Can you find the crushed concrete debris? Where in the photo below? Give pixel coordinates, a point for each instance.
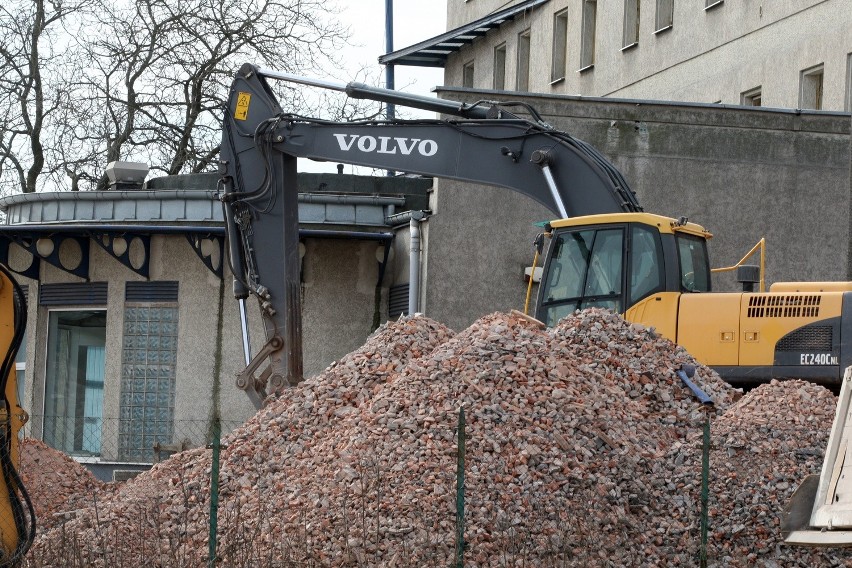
(582, 449)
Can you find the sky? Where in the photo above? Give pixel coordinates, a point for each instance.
(414, 21)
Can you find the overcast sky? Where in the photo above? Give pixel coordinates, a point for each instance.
(414, 21)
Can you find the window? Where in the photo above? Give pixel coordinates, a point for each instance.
(74, 381)
(848, 105)
(585, 271)
(523, 80)
(587, 48)
(630, 37)
(665, 15)
(751, 97)
(500, 67)
(560, 46)
(694, 263)
(646, 264)
(149, 358)
(810, 91)
(467, 75)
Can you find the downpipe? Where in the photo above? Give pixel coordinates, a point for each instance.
(414, 267)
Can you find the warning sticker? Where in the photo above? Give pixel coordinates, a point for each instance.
(243, 101)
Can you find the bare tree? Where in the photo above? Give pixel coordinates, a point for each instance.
(163, 70)
(29, 31)
(144, 80)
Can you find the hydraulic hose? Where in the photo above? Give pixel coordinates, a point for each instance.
(19, 500)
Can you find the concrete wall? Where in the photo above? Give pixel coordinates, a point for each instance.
(339, 298)
(709, 56)
(742, 173)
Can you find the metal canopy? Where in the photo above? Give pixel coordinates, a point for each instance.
(34, 238)
(434, 52)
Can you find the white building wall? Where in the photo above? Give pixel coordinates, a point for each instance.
(707, 56)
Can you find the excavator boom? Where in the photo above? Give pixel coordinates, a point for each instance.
(260, 146)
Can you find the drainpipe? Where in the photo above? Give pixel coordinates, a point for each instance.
(414, 267)
(413, 218)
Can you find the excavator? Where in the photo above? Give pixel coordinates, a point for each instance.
(17, 516)
(604, 250)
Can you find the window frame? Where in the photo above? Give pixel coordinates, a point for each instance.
(523, 61)
(559, 53)
(583, 301)
(588, 34)
(632, 258)
(501, 86)
(468, 70)
(748, 97)
(680, 238)
(663, 24)
(46, 391)
(847, 104)
(631, 8)
(805, 78)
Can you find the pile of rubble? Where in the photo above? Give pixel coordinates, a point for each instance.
(582, 448)
(55, 483)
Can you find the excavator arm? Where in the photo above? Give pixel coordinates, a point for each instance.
(486, 144)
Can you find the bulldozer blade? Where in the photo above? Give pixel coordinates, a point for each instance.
(796, 516)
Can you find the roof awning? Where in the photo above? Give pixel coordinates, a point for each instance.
(434, 52)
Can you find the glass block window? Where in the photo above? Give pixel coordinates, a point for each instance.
(149, 358)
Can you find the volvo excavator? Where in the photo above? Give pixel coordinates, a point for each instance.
(604, 251)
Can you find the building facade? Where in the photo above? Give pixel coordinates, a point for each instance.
(134, 338)
(775, 53)
(642, 81)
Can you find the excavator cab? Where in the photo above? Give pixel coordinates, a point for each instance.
(620, 261)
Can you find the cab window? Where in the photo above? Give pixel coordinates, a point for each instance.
(647, 268)
(586, 270)
(694, 263)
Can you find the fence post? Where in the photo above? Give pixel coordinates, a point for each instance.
(705, 486)
(685, 373)
(214, 494)
(460, 544)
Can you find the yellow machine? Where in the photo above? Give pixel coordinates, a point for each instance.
(17, 518)
(655, 270)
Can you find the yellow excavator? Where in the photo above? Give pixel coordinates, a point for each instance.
(604, 251)
(17, 517)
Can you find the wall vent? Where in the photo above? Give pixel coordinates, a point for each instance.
(397, 301)
(166, 291)
(73, 294)
(783, 306)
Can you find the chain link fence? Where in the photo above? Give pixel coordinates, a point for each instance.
(120, 441)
